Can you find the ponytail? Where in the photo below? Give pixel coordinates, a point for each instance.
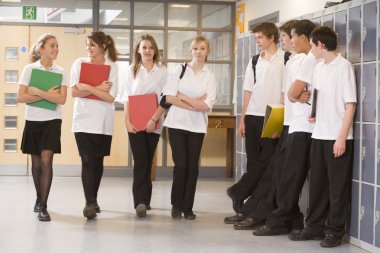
(110, 47)
(105, 41)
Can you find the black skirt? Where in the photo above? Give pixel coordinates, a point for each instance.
(41, 135)
(93, 144)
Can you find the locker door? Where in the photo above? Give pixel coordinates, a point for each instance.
(316, 21)
(239, 62)
(358, 74)
(354, 35)
(341, 30)
(368, 153)
(246, 57)
(357, 150)
(366, 213)
(354, 223)
(378, 157)
(328, 20)
(239, 83)
(252, 45)
(369, 101)
(377, 219)
(369, 32)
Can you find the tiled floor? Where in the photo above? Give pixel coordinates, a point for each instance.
(117, 229)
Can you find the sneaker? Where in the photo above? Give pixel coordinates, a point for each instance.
(330, 241)
(141, 210)
(306, 234)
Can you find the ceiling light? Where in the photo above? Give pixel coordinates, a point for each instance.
(11, 1)
(180, 5)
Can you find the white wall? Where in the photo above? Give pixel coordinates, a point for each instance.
(288, 8)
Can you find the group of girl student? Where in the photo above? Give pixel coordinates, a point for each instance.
(42, 132)
(93, 119)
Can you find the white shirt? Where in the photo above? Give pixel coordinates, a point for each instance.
(90, 115)
(33, 113)
(195, 86)
(267, 89)
(145, 83)
(336, 86)
(301, 111)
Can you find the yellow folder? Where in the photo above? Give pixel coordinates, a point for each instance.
(273, 121)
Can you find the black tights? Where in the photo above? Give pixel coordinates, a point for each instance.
(92, 172)
(42, 172)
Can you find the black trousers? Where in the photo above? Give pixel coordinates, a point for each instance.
(256, 163)
(186, 149)
(263, 200)
(330, 186)
(292, 178)
(143, 146)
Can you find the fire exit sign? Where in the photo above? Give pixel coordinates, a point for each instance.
(29, 12)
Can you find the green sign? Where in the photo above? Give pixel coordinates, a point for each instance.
(29, 12)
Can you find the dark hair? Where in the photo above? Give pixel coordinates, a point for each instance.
(288, 26)
(268, 29)
(105, 41)
(137, 57)
(326, 36)
(304, 27)
(40, 43)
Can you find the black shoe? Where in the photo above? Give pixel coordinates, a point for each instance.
(269, 231)
(97, 207)
(236, 203)
(189, 215)
(330, 241)
(248, 224)
(176, 212)
(141, 210)
(233, 219)
(89, 211)
(306, 234)
(148, 207)
(43, 215)
(37, 206)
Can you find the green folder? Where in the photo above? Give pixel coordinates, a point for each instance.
(44, 80)
(273, 121)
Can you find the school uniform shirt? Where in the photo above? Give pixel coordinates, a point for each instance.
(336, 86)
(301, 111)
(33, 113)
(268, 86)
(90, 115)
(195, 86)
(145, 82)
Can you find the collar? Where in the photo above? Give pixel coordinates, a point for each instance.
(39, 65)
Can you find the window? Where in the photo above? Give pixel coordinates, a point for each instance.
(10, 122)
(11, 76)
(114, 13)
(10, 145)
(11, 53)
(182, 15)
(179, 43)
(121, 38)
(149, 14)
(216, 16)
(10, 99)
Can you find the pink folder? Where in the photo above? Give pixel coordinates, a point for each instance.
(141, 110)
(94, 75)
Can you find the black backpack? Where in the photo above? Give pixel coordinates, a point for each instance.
(255, 58)
(163, 102)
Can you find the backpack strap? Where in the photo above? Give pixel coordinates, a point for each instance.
(184, 66)
(255, 58)
(287, 56)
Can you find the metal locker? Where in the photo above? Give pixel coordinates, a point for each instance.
(354, 34)
(239, 99)
(239, 141)
(378, 157)
(316, 21)
(368, 153)
(341, 30)
(357, 151)
(328, 20)
(238, 166)
(252, 45)
(368, 93)
(366, 213)
(239, 62)
(369, 32)
(354, 222)
(358, 74)
(246, 57)
(377, 218)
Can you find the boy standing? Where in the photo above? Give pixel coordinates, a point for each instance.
(332, 144)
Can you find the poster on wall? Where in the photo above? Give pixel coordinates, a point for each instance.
(239, 23)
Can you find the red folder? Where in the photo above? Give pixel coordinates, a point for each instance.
(141, 110)
(94, 75)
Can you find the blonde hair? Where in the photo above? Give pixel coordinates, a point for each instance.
(40, 43)
(198, 40)
(137, 57)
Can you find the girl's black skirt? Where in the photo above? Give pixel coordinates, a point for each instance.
(93, 144)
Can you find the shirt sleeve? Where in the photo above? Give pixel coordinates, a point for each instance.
(113, 78)
(349, 89)
(211, 91)
(74, 73)
(172, 82)
(305, 71)
(25, 76)
(64, 77)
(249, 79)
(123, 88)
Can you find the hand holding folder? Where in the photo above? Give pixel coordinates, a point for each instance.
(141, 110)
(94, 75)
(44, 80)
(273, 121)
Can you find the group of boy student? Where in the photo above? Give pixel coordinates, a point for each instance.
(322, 143)
(189, 94)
